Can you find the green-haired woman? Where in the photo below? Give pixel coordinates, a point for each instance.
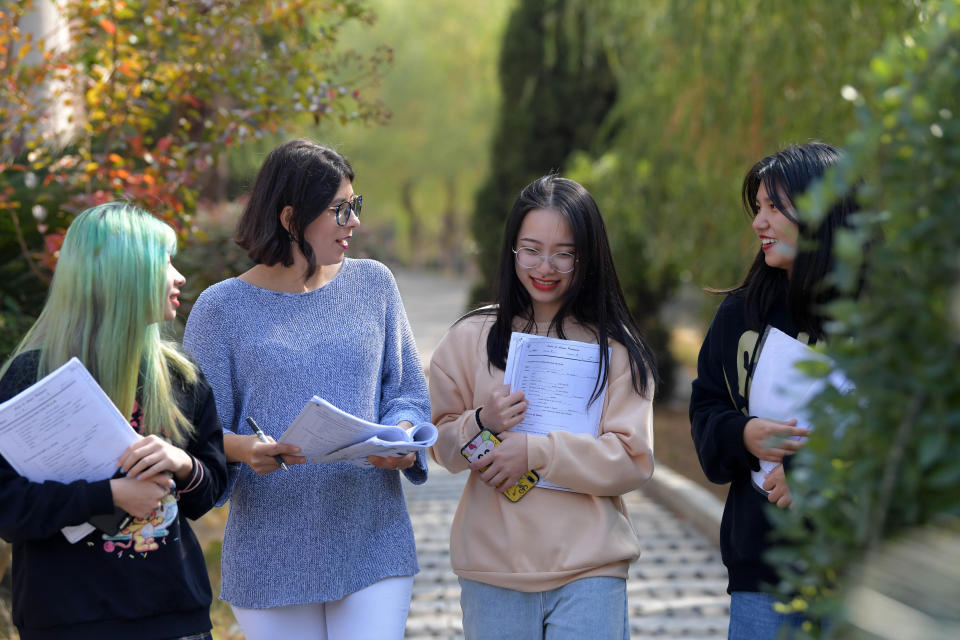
(113, 288)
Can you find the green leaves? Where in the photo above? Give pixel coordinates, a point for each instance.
(901, 427)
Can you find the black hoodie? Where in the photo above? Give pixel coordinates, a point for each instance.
(149, 581)
(718, 414)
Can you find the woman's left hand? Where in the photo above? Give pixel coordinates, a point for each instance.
(776, 484)
(151, 455)
(507, 462)
(393, 463)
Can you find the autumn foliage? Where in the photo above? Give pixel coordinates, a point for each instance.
(140, 99)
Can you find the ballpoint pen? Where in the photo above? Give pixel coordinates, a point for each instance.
(263, 438)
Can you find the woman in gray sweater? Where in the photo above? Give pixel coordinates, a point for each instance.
(324, 550)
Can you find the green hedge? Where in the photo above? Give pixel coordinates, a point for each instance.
(884, 458)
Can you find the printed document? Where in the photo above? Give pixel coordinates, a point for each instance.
(64, 428)
(557, 377)
(781, 391)
(324, 433)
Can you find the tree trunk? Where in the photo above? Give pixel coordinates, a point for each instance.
(452, 258)
(63, 121)
(415, 230)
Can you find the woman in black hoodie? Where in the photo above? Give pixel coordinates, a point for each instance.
(786, 289)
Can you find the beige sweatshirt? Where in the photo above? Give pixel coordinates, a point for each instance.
(549, 538)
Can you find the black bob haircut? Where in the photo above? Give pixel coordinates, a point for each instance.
(300, 174)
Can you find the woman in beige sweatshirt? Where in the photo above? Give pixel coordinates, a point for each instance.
(553, 564)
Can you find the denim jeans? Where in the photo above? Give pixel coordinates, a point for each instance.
(593, 608)
(752, 617)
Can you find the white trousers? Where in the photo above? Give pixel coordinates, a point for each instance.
(378, 612)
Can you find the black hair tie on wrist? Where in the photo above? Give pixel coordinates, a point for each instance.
(476, 415)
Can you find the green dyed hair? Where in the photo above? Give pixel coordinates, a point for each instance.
(105, 306)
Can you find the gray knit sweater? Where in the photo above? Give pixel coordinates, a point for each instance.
(321, 531)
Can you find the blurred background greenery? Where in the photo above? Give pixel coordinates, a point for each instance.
(447, 109)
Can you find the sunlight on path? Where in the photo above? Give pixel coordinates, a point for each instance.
(433, 302)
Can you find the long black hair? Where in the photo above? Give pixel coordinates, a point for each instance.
(594, 298)
(301, 174)
(787, 174)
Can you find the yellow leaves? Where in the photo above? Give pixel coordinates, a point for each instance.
(797, 605)
(90, 167)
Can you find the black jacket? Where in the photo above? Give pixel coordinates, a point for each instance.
(148, 581)
(718, 414)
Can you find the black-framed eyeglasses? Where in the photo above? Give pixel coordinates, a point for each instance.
(530, 258)
(343, 209)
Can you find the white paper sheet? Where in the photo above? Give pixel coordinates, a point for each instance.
(64, 428)
(557, 378)
(780, 391)
(324, 433)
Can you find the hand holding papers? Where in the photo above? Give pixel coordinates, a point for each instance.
(781, 391)
(324, 433)
(64, 428)
(557, 378)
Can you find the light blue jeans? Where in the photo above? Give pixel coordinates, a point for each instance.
(593, 608)
(752, 617)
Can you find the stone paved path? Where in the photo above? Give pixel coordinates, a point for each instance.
(677, 587)
(675, 590)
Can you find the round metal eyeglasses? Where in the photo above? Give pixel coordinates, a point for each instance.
(529, 258)
(344, 209)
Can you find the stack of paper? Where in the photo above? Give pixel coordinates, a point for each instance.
(779, 390)
(64, 428)
(558, 378)
(324, 433)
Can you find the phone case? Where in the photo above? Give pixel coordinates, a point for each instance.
(482, 444)
(111, 523)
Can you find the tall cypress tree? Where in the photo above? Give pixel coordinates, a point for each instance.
(557, 87)
(557, 90)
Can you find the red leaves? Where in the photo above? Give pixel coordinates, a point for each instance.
(51, 249)
(162, 87)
